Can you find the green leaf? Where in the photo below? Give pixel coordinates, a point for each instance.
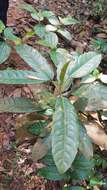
(95, 181)
(82, 168)
(5, 51)
(63, 79)
(96, 95)
(51, 173)
(8, 33)
(40, 30)
(64, 58)
(37, 16)
(85, 64)
(50, 40)
(50, 28)
(48, 159)
(35, 60)
(68, 20)
(27, 7)
(88, 79)
(60, 56)
(53, 56)
(2, 26)
(65, 134)
(81, 104)
(65, 34)
(19, 77)
(47, 14)
(63, 71)
(18, 105)
(38, 128)
(54, 20)
(85, 145)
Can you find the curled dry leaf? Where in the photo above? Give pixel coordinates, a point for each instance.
(39, 150)
(97, 134)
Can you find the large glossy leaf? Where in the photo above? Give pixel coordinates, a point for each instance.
(65, 134)
(5, 51)
(19, 77)
(18, 105)
(82, 168)
(85, 64)
(38, 63)
(96, 95)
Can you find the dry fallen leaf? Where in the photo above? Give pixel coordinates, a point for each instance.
(97, 134)
(39, 150)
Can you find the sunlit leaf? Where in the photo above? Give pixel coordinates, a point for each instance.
(103, 78)
(68, 20)
(50, 28)
(34, 59)
(85, 64)
(54, 20)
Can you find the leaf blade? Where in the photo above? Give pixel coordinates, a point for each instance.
(5, 51)
(85, 64)
(18, 105)
(64, 129)
(19, 77)
(35, 60)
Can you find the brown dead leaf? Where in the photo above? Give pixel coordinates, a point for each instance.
(39, 150)
(29, 119)
(97, 134)
(96, 188)
(102, 35)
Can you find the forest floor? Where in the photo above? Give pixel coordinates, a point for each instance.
(19, 174)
